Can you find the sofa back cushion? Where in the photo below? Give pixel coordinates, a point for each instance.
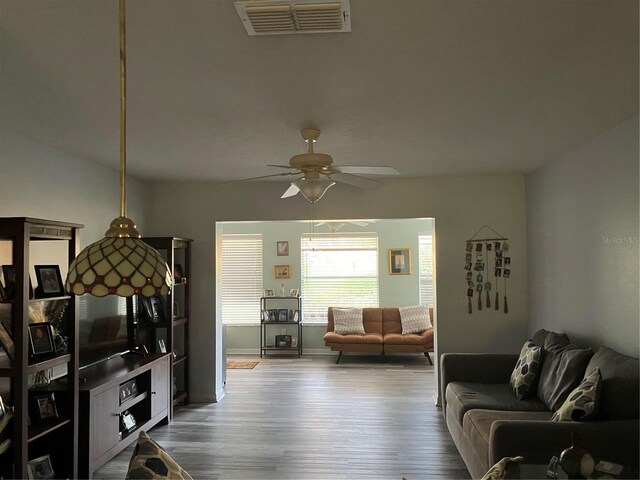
(371, 320)
(619, 399)
(541, 335)
(562, 371)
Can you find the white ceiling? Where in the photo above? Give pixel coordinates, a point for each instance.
(432, 87)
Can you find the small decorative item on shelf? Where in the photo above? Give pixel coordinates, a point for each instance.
(283, 315)
(40, 468)
(154, 312)
(42, 378)
(294, 342)
(269, 293)
(296, 316)
(283, 341)
(45, 406)
(41, 339)
(128, 390)
(294, 292)
(178, 274)
(282, 289)
(176, 308)
(9, 279)
(6, 342)
(128, 421)
(161, 346)
(49, 281)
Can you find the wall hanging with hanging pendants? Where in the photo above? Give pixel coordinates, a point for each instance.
(478, 253)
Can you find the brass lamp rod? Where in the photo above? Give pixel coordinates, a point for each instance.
(123, 111)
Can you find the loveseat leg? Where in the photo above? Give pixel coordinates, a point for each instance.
(339, 355)
(426, 354)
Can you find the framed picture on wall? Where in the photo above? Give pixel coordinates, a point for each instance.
(283, 271)
(399, 261)
(282, 248)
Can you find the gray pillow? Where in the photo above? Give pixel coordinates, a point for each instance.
(563, 369)
(619, 399)
(541, 335)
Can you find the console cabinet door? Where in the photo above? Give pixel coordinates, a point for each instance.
(160, 388)
(105, 422)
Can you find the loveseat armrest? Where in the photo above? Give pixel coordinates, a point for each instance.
(538, 440)
(476, 368)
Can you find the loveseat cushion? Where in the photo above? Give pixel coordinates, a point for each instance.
(562, 371)
(476, 426)
(424, 338)
(526, 373)
(464, 396)
(337, 338)
(619, 399)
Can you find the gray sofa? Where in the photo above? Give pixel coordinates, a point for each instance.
(487, 422)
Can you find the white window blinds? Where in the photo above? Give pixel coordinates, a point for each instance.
(241, 278)
(339, 270)
(425, 260)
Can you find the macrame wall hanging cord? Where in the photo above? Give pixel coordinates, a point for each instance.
(483, 248)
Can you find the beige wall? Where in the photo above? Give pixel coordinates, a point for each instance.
(459, 205)
(583, 241)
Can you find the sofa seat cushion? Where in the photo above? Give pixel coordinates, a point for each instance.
(423, 338)
(337, 338)
(476, 426)
(465, 396)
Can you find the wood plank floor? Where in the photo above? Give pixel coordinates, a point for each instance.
(308, 418)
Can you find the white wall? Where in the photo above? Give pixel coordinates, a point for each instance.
(582, 227)
(42, 182)
(460, 206)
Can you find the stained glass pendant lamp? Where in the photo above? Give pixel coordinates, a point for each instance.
(121, 263)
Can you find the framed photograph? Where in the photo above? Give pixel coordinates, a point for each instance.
(283, 315)
(41, 338)
(294, 342)
(399, 261)
(176, 308)
(265, 316)
(128, 421)
(46, 408)
(283, 341)
(40, 468)
(7, 342)
(128, 390)
(273, 315)
(282, 248)
(9, 279)
(294, 292)
(161, 346)
(296, 316)
(283, 271)
(269, 293)
(49, 281)
(153, 309)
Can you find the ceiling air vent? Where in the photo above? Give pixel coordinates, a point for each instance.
(272, 17)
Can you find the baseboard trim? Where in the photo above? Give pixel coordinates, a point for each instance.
(305, 351)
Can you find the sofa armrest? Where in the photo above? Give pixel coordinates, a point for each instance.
(539, 440)
(474, 367)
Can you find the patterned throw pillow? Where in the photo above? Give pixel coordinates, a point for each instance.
(414, 319)
(348, 320)
(582, 403)
(151, 461)
(525, 375)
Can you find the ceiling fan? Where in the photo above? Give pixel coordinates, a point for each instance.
(317, 172)
(335, 225)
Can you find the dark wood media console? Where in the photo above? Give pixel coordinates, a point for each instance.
(102, 434)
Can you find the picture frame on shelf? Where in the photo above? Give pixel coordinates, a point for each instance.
(50, 282)
(161, 346)
(269, 293)
(178, 273)
(45, 406)
(283, 315)
(40, 468)
(282, 248)
(9, 281)
(128, 421)
(399, 261)
(41, 339)
(176, 308)
(273, 315)
(128, 390)
(294, 292)
(282, 271)
(294, 342)
(265, 315)
(283, 341)
(296, 316)
(153, 309)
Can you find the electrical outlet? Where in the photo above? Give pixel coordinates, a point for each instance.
(284, 331)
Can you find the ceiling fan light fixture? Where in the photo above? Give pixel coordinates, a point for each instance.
(313, 190)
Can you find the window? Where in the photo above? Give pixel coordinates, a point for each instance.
(241, 278)
(425, 261)
(338, 270)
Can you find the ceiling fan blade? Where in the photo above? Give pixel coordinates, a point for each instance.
(287, 174)
(291, 191)
(355, 180)
(365, 170)
(281, 166)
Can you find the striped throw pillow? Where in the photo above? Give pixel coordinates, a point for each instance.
(348, 320)
(414, 319)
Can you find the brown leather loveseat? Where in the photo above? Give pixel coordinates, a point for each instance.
(383, 333)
